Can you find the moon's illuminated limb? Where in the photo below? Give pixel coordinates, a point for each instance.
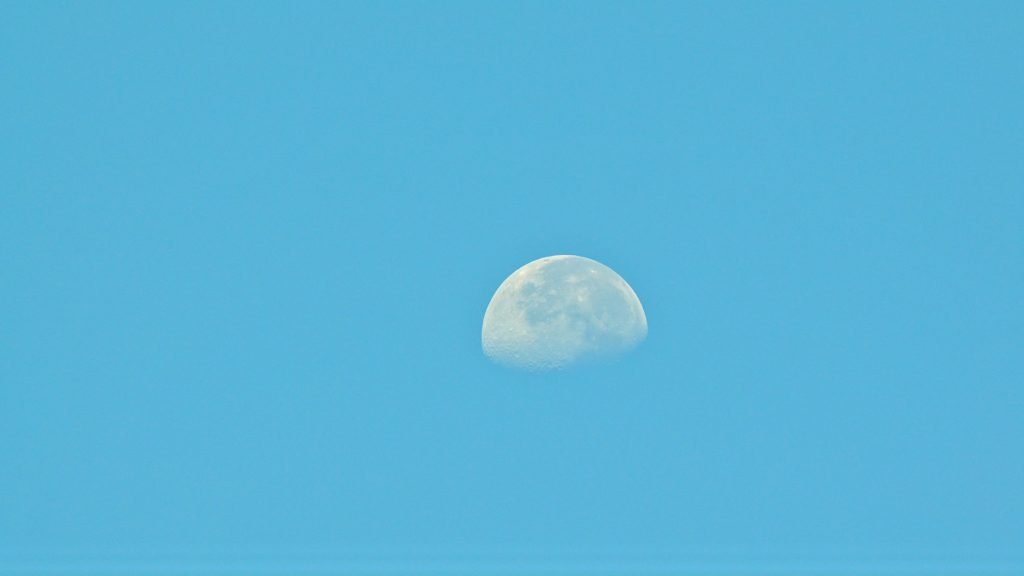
(558, 310)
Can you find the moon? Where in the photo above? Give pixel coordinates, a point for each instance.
(559, 311)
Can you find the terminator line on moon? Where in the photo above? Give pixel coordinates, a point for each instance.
(561, 310)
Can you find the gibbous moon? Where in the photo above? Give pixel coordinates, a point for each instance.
(560, 310)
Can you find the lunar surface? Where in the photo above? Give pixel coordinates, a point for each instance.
(559, 311)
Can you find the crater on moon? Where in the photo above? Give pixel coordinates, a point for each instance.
(557, 311)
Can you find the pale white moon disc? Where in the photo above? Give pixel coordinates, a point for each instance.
(557, 311)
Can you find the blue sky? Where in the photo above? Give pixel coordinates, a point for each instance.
(246, 248)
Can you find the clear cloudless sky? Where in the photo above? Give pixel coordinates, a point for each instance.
(246, 248)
